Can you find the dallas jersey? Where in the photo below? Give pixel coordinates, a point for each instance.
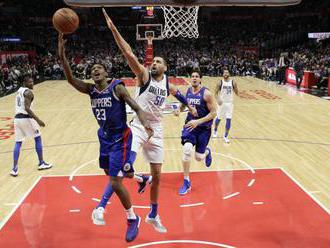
(24, 124)
(108, 109)
(197, 100)
(227, 91)
(227, 97)
(151, 98)
(20, 101)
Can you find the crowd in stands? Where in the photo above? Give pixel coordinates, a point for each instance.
(245, 42)
(312, 56)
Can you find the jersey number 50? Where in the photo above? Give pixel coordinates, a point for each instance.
(159, 100)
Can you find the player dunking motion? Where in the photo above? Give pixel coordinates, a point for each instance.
(224, 93)
(108, 98)
(27, 124)
(153, 88)
(197, 130)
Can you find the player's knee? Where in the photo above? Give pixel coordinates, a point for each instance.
(155, 173)
(156, 177)
(187, 149)
(199, 156)
(115, 183)
(129, 174)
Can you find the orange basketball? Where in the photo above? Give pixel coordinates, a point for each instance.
(65, 21)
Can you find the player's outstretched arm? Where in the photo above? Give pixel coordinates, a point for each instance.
(174, 91)
(177, 110)
(138, 69)
(211, 105)
(28, 97)
(122, 93)
(76, 83)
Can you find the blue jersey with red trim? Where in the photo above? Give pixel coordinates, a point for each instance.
(108, 109)
(197, 100)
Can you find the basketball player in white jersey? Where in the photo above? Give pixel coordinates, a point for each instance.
(152, 90)
(27, 124)
(224, 94)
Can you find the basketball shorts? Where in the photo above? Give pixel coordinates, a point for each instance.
(225, 111)
(26, 127)
(199, 137)
(115, 150)
(152, 149)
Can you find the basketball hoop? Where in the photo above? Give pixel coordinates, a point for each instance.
(180, 15)
(181, 21)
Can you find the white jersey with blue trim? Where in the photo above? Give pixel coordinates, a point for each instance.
(227, 91)
(20, 101)
(151, 98)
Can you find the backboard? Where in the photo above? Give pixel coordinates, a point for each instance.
(144, 30)
(120, 3)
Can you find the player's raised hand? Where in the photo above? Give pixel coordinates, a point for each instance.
(193, 111)
(61, 46)
(192, 125)
(41, 123)
(108, 19)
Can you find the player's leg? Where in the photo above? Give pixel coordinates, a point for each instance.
(139, 138)
(186, 160)
(154, 153)
(38, 146)
(98, 211)
(217, 122)
(188, 140)
(202, 151)
(105, 150)
(119, 154)
(153, 216)
(34, 131)
(133, 220)
(229, 114)
(104, 163)
(19, 136)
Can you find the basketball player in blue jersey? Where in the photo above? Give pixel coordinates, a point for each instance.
(197, 130)
(152, 90)
(27, 124)
(224, 93)
(108, 98)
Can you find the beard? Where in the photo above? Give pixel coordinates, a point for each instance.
(154, 73)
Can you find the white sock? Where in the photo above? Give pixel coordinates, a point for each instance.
(187, 178)
(138, 178)
(130, 213)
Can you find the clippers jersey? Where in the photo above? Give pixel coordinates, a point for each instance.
(20, 99)
(197, 100)
(227, 91)
(108, 109)
(151, 98)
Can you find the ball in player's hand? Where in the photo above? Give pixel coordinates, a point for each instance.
(65, 21)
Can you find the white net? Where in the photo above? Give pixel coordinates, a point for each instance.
(180, 21)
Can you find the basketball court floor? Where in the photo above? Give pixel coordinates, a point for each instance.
(268, 188)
